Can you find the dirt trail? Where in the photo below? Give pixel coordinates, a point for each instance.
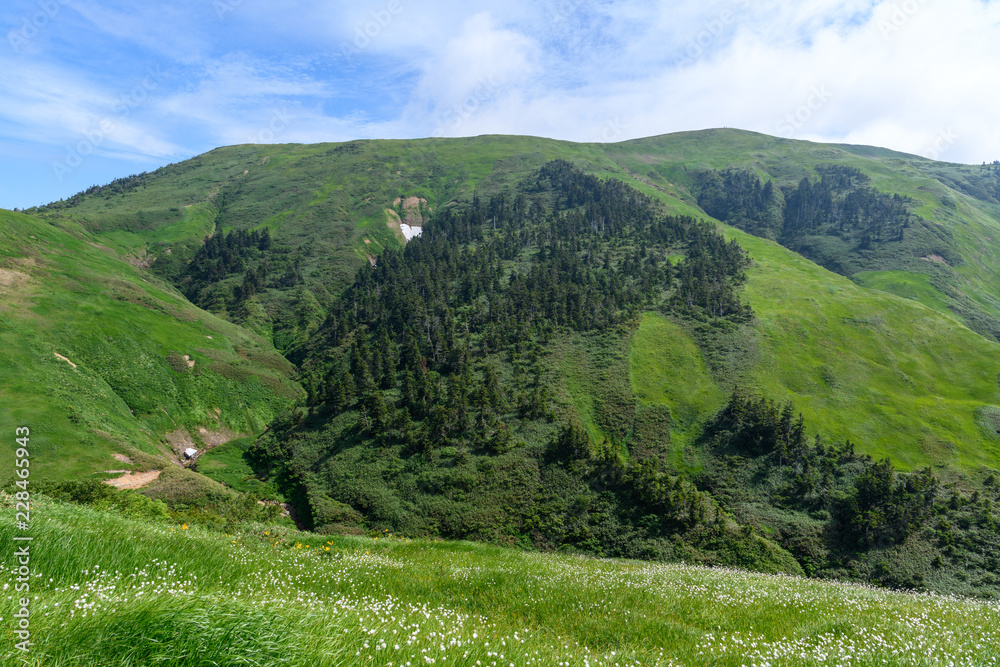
(12, 279)
(133, 480)
(64, 359)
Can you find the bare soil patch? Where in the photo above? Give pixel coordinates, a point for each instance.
(59, 356)
(133, 480)
(12, 279)
(411, 211)
(216, 437)
(392, 221)
(144, 261)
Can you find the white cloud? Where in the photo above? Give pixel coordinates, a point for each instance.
(475, 71)
(912, 75)
(60, 108)
(900, 75)
(175, 30)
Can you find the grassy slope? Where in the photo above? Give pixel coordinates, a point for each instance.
(908, 386)
(227, 464)
(895, 377)
(268, 595)
(666, 368)
(961, 222)
(65, 294)
(329, 198)
(907, 284)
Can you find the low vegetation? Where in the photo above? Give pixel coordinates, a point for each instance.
(146, 590)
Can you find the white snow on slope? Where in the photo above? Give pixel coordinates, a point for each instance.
(410, 232)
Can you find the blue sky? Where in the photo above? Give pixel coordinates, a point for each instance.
(91, 90)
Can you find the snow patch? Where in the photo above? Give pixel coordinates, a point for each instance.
(410, 232)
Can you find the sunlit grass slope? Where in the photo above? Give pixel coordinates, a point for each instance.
(964, 221)
(893, 376)
(98, 356)
(907, 284)
(329, 197)
(666, 368)
(109, 590)
(898, 378)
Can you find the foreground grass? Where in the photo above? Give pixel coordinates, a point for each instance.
(111, 591)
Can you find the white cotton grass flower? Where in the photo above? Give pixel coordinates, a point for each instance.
(420, 607)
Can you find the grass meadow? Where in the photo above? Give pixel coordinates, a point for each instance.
(110, 590)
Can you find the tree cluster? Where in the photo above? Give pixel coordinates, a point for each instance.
(249, 256)
(989, 178)
(877, 506)
(119, 186)
(512, 266)
(842, 203)
(572, 252)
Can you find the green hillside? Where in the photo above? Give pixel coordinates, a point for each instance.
(955, 209)
(573, 355)
(137, 591)
(896, 377)
(325, 206)
(100, 357)
(325, 203)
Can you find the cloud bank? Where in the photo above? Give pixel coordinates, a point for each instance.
(105, 87)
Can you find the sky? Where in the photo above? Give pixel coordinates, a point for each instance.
(93, 90)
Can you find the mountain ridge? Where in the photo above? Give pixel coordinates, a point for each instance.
(426, 412)
(363, 231)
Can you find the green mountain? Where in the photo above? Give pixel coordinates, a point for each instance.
(572, 354)
(914, 385)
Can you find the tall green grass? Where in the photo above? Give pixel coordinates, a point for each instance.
(907, 284)
(108, 590)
